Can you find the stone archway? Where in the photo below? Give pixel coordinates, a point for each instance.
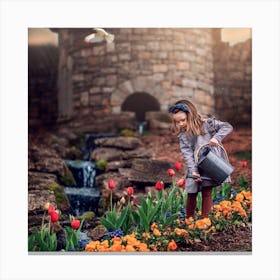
(140, 103)
(137, 85)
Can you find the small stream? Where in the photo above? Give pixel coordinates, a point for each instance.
(85, 195)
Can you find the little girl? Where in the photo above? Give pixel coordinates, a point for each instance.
(194, 131)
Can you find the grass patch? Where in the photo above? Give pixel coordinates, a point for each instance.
(246, 155)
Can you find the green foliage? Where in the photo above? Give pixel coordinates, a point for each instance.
(243, 183)
(101, 164)
(244, 155)
(60, 196)
(170, 205)
(226, 188)
(72, 235)
(42, 240)
(67, 179)
(146, 212)
(162, 209)
(224, 191)
(112, 220)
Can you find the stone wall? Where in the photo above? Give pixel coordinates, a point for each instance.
(233, 82)
(97, 86)
(165, 63)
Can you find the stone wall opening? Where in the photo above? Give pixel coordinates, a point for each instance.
(140, 103)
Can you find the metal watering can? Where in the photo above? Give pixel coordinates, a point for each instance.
(212, 165)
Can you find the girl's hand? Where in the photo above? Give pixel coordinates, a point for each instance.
(213, 142)
(197, 175)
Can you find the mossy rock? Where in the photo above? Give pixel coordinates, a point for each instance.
(87, 216)
(67, 179)
(60, 197)
(127, 132)
(101, 164)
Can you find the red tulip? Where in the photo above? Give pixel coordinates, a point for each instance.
(181, 183)
(170, 172)
(75, 224)
(111, 184)
(51, 209)
(129, 191)
(177, 165)
(54, 216)
(244, 163)
(159, 185)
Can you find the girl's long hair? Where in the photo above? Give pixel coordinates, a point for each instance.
(194, 120)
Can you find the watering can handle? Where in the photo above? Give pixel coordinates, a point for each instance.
(196, 153)
(201, 177)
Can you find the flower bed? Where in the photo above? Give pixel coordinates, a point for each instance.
(157, 224)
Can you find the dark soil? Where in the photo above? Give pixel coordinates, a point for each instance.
(238, 239)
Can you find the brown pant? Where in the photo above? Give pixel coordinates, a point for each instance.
(206, 202)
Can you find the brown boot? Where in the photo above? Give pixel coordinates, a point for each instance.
(191, 204)
(206, 202)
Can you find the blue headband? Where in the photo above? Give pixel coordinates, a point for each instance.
(179, 106)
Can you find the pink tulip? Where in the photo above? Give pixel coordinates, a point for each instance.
(159, 185)
(181, 183)
(111, 184)
(75, 224)
(129, 191)
(177, 165)
(170, 172)
(51, 209)
(54, 216)
(244, 163)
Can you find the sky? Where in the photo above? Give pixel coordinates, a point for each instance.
(37, 36)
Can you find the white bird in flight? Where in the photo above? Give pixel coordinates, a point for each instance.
(99, 36)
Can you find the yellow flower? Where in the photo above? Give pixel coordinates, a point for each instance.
(130, 248)
(146, 235)
(116, 240)
(143, 247)
(156, 232)
(211, 229)
(239, 197)
(217, 215)
(203, 223)
(92, 246)
(47, 206)
(192, 226)
(172, 246)
(181, 231)
(116, 248)
(188, 221)
(217, 207)
(153, 226)
(225, 204)
(247, 195)
(207, 221)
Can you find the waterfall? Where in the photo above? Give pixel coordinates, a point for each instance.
(85, 196)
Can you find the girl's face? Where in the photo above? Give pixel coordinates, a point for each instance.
(180, 119)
